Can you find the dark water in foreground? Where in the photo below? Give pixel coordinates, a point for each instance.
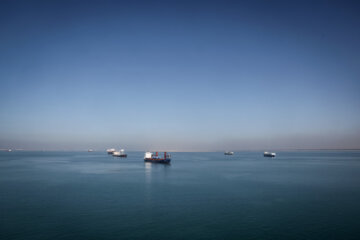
(76, 195)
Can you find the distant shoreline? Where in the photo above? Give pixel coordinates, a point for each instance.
(258, 150)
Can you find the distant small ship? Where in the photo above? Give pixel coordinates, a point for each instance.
(229, 153)
(110, 150)
(149, 157)
(269, 154)
(90, 150)
(6, 149)
(120, 153)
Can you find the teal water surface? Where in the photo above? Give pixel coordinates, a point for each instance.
(81, 195)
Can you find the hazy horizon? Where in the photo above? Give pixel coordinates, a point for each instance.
(180, 75)
(285, 143)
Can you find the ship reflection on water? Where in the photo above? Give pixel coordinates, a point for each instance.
(158, 170)
(148, 167)
(154, 174)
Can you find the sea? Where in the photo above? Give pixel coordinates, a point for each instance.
(200, 195)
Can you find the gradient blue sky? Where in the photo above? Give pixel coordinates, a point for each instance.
(179, 75)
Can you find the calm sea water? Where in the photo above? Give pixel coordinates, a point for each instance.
(81, 195)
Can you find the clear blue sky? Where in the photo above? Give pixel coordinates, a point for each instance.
(179, 75)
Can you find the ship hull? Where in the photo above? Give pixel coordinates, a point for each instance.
(158, 160)
(121, 155)
(269, 155)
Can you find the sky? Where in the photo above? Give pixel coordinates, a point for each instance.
(179, 75)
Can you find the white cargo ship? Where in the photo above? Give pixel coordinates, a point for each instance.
(229, 153)
(269, 154)
(120, 153)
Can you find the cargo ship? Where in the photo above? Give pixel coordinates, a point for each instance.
(121, 153)
(229, 153)
(150, 157)
(269, 154)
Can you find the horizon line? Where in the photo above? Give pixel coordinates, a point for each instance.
(242, 150)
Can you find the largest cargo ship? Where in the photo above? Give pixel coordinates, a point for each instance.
(150, 157)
